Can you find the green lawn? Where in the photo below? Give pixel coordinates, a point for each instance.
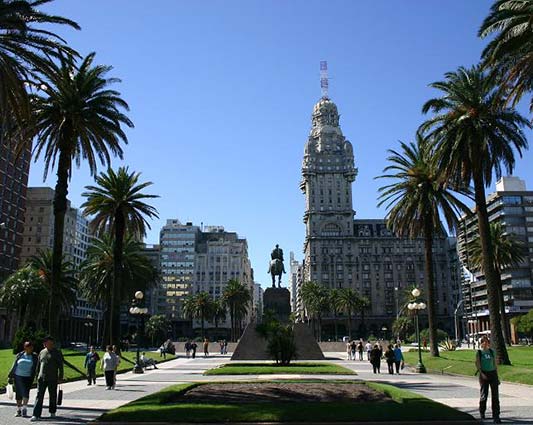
(165, 407)
(269, 368)
(76, 358)
(462, 362)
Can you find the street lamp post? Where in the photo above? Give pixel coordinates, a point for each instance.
(89, 326)
(415, 306)
(138, 311)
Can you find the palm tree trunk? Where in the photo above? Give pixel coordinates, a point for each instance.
(60, 209)
(490, 273)
(335, 325)
(118, 248)
(350, 325)
(428, 252)
(505, 319)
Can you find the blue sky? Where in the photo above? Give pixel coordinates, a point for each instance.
(221, 94)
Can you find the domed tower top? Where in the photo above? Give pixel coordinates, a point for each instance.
(325, 117)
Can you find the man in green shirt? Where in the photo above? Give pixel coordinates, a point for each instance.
(488, 377)
(50, 374)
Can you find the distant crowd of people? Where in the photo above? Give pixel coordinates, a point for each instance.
(374, 354)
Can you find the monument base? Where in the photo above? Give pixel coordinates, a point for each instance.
(278, 302)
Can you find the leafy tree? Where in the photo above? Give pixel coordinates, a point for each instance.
(402, 327)
(156, 327)
(316, 300)
(76, 118)
(237, 298)
(97, 275)
(24, 291)
(65, 289)
(475, 135)
(347, 301)
(26, 45)
(199, 306)
(510, 52)
(524, 323)
(415, 202)
(117, 207)
(508, 252)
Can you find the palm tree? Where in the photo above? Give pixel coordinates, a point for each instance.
(334, 306)
(237, 298)
(117, 207)
(25, 52)
(363, 304)
(510, 52)
(97, 276)
(76, 118)
(508, 252)
(348, 302)
(198, 306)
(474, 136)
(156, 326)
(316, 300)
(23, 291)
(219, 312)
(65, 289)
(415, 202)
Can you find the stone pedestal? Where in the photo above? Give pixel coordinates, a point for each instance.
(278, 301)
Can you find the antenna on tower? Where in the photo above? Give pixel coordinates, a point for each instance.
(324, 82)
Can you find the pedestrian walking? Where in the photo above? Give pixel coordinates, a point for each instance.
(50, 374)
(424, 343)
(375, 358)
(360, 350)
(488, 378)
(390, 358)
(206, 347)
(349, 350)
(368, 348)
(398, 358)
(225, 347)
(194, 346)
(22, 373)
(163, 351)
(109, 365)
(221, 344)
(116, 350)
(188, 348)
(353, 347)
(91, 360)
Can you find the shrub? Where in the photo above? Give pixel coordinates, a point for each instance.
(280, 340)
(441, 335)
(28, 334)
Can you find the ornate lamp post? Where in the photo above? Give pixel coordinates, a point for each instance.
(415, 306)
(89, 326)
(138, 311)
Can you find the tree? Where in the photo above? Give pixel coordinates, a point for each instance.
(199, 306)
(316, 300)
(348, 302)
(76, 118)
(25, 52)
(363, 303)
(117, 207)
(402, 327)
(156, 327)
(64, 289)
(97, 275)
(415, 201)
(237, 298)
(510, 52)
(475, 135)
(524, 323)
(219, 312)
(508, 252)
(24, 291)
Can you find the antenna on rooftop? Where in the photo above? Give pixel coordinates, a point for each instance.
(324, 82)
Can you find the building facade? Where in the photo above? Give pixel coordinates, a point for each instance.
(13, 185)
(295, 284)
(341, 252)
(257, 303)
(511, 206)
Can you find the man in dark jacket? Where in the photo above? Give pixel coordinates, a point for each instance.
(49, 376)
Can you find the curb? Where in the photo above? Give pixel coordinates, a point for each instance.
(437, 422)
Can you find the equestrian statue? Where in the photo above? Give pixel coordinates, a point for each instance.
(276, 267)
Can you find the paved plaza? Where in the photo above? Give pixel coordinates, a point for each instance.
(84, 403)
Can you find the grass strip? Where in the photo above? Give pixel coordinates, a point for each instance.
(269, 369)
(164, 406)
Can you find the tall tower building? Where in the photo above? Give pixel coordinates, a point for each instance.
(327, 175)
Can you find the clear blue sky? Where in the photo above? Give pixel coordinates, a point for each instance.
(221, 94)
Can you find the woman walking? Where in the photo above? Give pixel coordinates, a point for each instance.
(109, 365)
(23, 374)
(375, 358)
(398, 357)
(488, 377)
(389, 357)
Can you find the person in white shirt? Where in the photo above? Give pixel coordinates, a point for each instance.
(368, 348)
(109, 365)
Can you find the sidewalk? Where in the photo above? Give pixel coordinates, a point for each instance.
(82, 403)
(459, 392)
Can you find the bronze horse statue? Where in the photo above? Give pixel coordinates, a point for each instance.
(276, 269)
